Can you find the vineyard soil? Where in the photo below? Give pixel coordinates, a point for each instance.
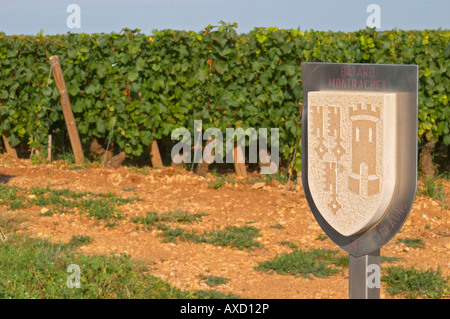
(281, 214)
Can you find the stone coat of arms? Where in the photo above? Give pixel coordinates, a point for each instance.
(352, 156)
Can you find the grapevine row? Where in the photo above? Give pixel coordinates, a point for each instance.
(146, 86)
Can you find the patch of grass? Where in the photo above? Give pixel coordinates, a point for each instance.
(67, 157)
(12, 196)
(36, 268)
(17, 204)
(414, 283)
(412, 242)
(77, 168)
(232, 236)
(178, 216)
(280, 176)
(214, 172)
(103, 208)
(100, 206)
(9, 193)
(218, 183)
(321, 263)
(322, 237)
(434, 189)
(213, 281)
(389, 259)
(171, 234)
(148, 221)
(79, 240)
(277, 226)
(290, 244)
(39, 158)
(141, 170)
(8, 225)
(71, 194)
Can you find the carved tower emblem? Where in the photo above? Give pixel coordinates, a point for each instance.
(352, 156)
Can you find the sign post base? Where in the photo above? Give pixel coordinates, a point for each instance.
(364, 276)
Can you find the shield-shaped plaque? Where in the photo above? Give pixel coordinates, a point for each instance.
(359, 150)
(351, 159)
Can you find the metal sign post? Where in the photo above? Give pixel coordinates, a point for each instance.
(359, 166)
(364, 284)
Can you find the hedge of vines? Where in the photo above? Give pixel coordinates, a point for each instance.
(137, 88)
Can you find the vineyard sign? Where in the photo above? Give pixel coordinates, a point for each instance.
(359, 154)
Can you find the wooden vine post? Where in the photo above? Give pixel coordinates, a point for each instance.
(203, 166)
(11, 151)
(155, 156)
(67, 110)
(239, 161)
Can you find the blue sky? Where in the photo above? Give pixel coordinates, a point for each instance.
(30, 16)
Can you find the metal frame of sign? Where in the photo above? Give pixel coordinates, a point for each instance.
(401, 79)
